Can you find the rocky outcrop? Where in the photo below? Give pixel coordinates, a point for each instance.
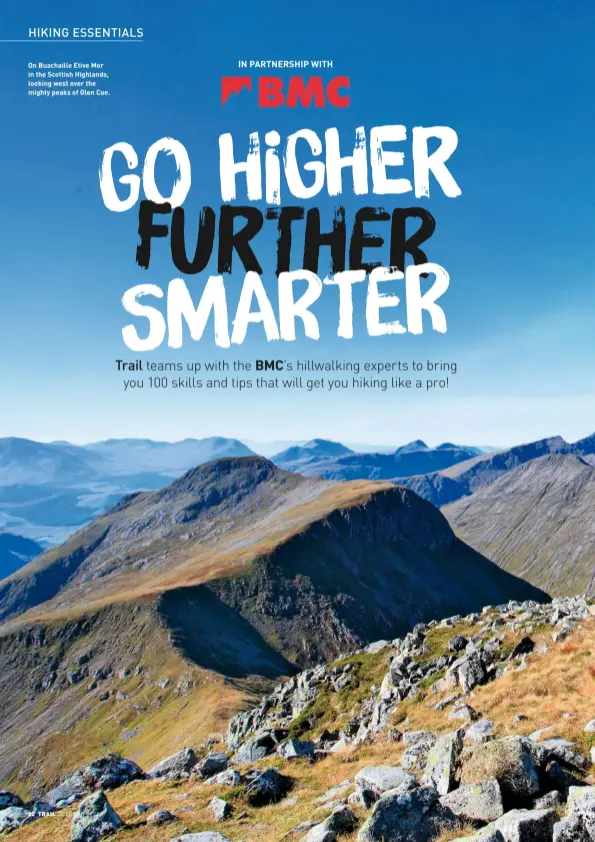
(104, 773)
(408, 669)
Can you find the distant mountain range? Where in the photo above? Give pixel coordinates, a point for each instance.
(47, 490)
(536, 521)
(334, 461)
(466, 477)
(16, 551)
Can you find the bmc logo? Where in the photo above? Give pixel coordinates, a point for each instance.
(274, 91)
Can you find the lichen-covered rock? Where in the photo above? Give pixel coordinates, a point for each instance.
(527, 825)
(442, 762)
(415, 816)
(571, 830)
(12, 818)
(255, 749)
(578, 824)
(94, 819)
(104, 773)
(267, 788)
(292, 749)
(220, 809)
(381, 779)
(480, 732)
(160, 817)
(212, 764)
(511, 761)
(480, 802)
(177, 766)
(230, 777)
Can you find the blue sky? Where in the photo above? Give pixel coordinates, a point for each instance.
(514, 79)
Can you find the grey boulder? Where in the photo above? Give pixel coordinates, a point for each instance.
(12, 818)
(442, 762)
(381, 779)
(230, 777)
(527, 825)
(174, 767)
(94, 819)
(258, 747)
(341, 820)
(415, 816)
(480, 802)
(211, 765)
(267, 788)
(160, 817)
(511, 761)
(203, 836)
(480, 732)
(292, 749)
(220, 809)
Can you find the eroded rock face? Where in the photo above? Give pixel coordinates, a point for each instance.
(177, 766)
(94, 819)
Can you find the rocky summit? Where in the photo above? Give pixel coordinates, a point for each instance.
(473, 727)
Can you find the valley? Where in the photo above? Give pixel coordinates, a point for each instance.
(298, 628)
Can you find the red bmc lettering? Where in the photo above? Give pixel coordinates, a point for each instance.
(271, 93)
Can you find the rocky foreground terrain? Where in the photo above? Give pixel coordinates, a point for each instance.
(474, 727)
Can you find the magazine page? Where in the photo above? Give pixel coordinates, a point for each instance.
(297, 462)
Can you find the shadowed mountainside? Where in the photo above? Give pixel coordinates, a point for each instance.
(536, 522)
(312, 566)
